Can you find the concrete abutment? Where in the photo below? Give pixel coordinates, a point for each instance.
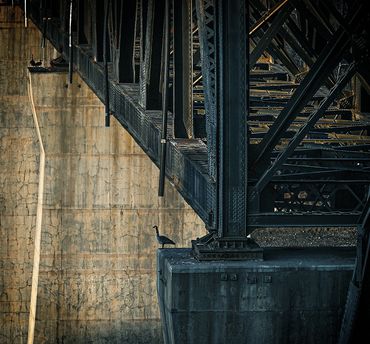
(293, 296)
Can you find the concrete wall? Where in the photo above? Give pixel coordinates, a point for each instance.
(98, 274)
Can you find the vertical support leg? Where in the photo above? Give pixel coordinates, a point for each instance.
(70, 69)
(98, 25)
(230, 241)
(207, 39)
(144, 9)
(183, 63)
(81, 37)
(150, 89)
(232, 91)
(162, 169)
(126, 67)
(105, 59)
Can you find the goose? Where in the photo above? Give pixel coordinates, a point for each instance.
(33, 63)
(163, 240)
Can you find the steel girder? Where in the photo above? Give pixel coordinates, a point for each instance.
(183, 68)
(296, 150)
(230, 240)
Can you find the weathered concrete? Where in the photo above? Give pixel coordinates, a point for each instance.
(98, 271)
(294, 296)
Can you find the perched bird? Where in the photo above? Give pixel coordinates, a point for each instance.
(33, 63)
(163, 240)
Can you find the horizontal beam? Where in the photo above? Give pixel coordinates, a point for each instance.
(302, 219)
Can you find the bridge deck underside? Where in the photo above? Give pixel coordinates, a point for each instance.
(319, 184)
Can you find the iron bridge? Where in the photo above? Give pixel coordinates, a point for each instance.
(257, 111)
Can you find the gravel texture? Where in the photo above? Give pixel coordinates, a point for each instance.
(305, 237)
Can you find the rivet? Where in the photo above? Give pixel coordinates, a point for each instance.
(267, 279)
(223, 277)
(234, 277)
(251, 279)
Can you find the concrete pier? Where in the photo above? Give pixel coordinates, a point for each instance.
(294, 296)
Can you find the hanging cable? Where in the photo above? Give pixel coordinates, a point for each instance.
(105, 60)
(162, 167)
(70, 70)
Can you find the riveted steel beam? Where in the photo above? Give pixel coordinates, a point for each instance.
(150, 76)
(183, 68)
(81, 36)
(125, 64)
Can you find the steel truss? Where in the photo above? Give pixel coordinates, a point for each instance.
(267, 102)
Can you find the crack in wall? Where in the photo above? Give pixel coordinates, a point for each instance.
(97, 271)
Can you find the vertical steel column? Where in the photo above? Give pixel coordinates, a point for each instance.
(70, 46)
(207, 39)
(150, 78)
(230, 240)
(44, 16)
(143, 23)
(81, 37)
(105, 59)
(144, 8)
(165, 68)
(233, 104)
(126, 67)
(183, 69)
(98, 29)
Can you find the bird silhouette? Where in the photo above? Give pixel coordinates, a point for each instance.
(33, 63)
(163, 240)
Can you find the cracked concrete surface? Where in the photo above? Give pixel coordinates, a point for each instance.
(97, 275)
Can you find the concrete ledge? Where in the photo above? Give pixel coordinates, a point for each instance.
(294, 296)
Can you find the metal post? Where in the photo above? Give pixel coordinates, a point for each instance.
(81, 37)
(162, 170)
(150, 78)
(44, 16)
(98, 25)
(125, 63)
(106, 76)
(231, 241)
(207, 39)
(232, 142)
(183, 69)
(70, 69)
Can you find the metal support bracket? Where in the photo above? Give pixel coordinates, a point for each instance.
(212, 247)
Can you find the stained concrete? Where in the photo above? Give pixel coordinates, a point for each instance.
(98, 267)
(293, 296)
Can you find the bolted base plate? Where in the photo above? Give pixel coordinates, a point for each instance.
(211, 247)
